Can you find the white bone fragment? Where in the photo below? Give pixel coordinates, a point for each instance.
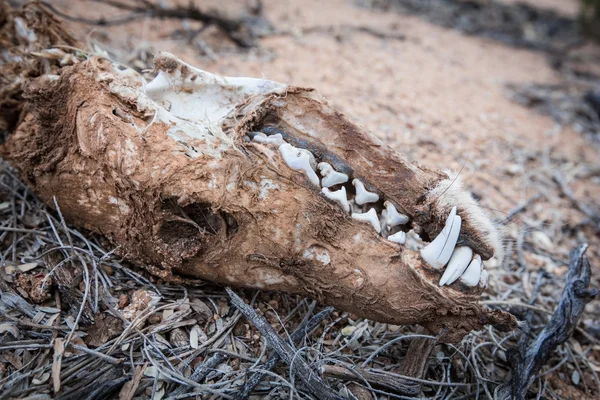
(370, 217)
(299, 159)
(275, 139)
(363, 196)
(160, 83)
(398, 237)
(330, 176)
(438, 252)
(394, 218)
(457, 265)
(338, 196)
(473, 273)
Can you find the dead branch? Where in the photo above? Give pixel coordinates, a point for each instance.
(527, 362)
(382, 379)
(288, 354)
(304, 328)
(240, 30)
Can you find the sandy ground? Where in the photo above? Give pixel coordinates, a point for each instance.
(438, 96)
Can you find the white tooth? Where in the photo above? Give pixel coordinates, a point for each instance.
(473, 272)
(393, 216)
(398, 237)
(370, 217)
(275, 139)
(457, 265)
(438, 252)
(363, 196)
(331, 176)
(483, 281)
(383, 223)
(299, 159)
(338, 196)
(354, 208)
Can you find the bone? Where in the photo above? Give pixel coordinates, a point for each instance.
(275, 139)
(338, 196)
(394, 218)
(330, 176)
(473, 272)
(438, 252)
(299, 159)
(457, 265)
(363, 196)
(398, 237)
(370, 217)
(160, 83)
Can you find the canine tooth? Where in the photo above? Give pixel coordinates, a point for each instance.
(457, 265)
(473, 272)
(438, 252)
(363, 196)
(370, 217)
(299, 159)
(339, 196)
(398, 237)
(331, 176)
(393, 216)
(275, 139)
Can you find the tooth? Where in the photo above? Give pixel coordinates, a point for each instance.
(330, 176)
(354, 208)
(370, 216)
(471, 276)
(275, 139)
(338, 196)
(362, 195)
(457, 265)
(398, 237)
(393, 216)
(483, 281)
(438, 252)
(299, 159)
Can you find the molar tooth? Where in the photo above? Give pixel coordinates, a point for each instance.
(299, 159)
(338, 196)
(457, 265)
(398, 237)
(438, 252)
(393, 216)
(354, 208)
(472, 274)
(363, 196)
(330, 176)
(275, 139)
(370, 217)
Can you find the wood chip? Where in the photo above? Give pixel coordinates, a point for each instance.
(128, 390)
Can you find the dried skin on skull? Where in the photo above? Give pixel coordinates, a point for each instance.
(248, 182)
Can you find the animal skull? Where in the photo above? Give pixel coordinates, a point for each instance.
(258, 184)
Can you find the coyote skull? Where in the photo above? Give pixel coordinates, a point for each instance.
(258, 184)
